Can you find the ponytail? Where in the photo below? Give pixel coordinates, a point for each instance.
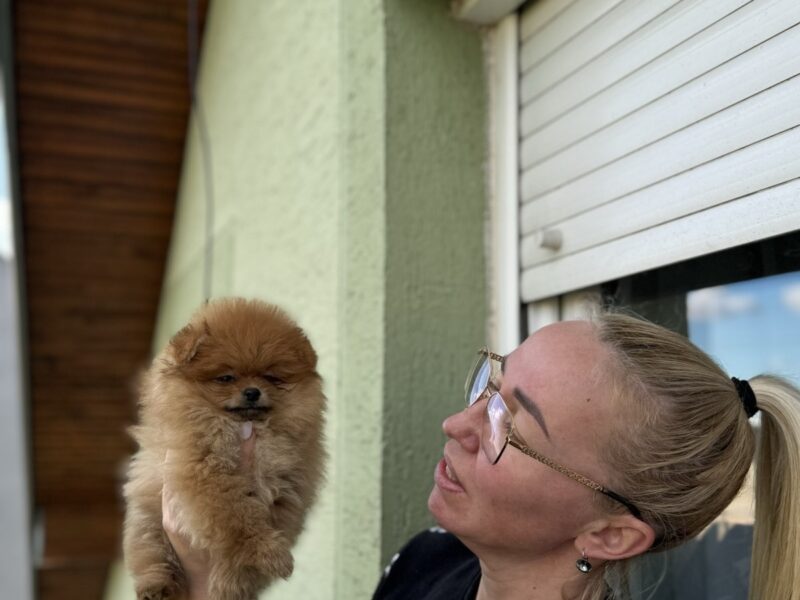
(775, 568)
(684, 445)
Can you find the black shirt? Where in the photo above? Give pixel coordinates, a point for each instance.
(434, 565)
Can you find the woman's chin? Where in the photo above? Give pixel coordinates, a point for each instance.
(439, 509)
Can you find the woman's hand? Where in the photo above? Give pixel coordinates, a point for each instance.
(196, 562)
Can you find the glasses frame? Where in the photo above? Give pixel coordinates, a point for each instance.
(514, 439)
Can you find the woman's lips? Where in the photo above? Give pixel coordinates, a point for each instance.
(445, 478)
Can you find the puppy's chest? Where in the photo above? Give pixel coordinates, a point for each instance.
(271, 470)
(265, 465)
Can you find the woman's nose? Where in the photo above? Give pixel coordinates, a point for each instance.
(464, 427)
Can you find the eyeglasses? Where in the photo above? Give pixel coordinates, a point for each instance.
(498, 425)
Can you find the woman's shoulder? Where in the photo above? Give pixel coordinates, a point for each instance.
(433, 565)
(434, 543)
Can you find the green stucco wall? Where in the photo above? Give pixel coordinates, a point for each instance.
(435, 290)
(348, 147)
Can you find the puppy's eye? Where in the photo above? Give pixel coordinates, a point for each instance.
(274, 380)
(225, 379)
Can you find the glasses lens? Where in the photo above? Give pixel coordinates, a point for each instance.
(478, 378)
(497, 426)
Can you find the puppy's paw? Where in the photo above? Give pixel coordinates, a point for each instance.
(158, 584)
(166, 592)
(279, 564)
(272, 558)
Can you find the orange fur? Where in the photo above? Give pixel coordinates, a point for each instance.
(247, 516)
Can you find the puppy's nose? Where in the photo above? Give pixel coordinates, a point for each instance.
(251, 394)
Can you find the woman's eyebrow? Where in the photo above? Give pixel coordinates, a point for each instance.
(529, 405)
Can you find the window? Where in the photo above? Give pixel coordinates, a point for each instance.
(742, 306)
(659, 170)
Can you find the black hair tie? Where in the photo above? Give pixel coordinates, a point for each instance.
(746, 395)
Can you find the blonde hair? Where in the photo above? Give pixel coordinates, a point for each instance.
(775, 570)
(683, 445)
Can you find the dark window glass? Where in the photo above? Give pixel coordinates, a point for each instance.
(742, 306)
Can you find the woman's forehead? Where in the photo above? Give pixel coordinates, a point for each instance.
(561, 345)
(559, 369)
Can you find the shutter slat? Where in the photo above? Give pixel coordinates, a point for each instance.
(614, 26)
(649, 138)
(654, 39)
(562, 28)
(768, 213)
(775, 110)
(743, 30)
(539, 15)
(771, 162)
(766, 65)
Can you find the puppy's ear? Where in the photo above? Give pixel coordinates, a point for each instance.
(306, 354)
(185, 344)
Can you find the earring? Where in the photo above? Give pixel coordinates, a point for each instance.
(583, 564)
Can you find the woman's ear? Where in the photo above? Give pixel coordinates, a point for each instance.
(615, 538)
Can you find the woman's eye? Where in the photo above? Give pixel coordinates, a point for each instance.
(274, 380)
(225, 379)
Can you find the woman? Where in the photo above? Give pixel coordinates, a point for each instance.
(589, 445)
(598, 442)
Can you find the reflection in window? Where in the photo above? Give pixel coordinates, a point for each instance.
(750, 327)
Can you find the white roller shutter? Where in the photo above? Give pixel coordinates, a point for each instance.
(653, 131)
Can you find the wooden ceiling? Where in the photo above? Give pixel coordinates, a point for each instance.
(102, 103)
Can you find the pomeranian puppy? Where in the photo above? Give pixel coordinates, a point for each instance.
(239, 365)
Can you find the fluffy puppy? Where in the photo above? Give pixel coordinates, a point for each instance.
(238, 363)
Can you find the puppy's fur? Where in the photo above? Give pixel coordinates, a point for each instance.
(237, 361)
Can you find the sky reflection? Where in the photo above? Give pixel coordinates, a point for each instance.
(750, 327)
